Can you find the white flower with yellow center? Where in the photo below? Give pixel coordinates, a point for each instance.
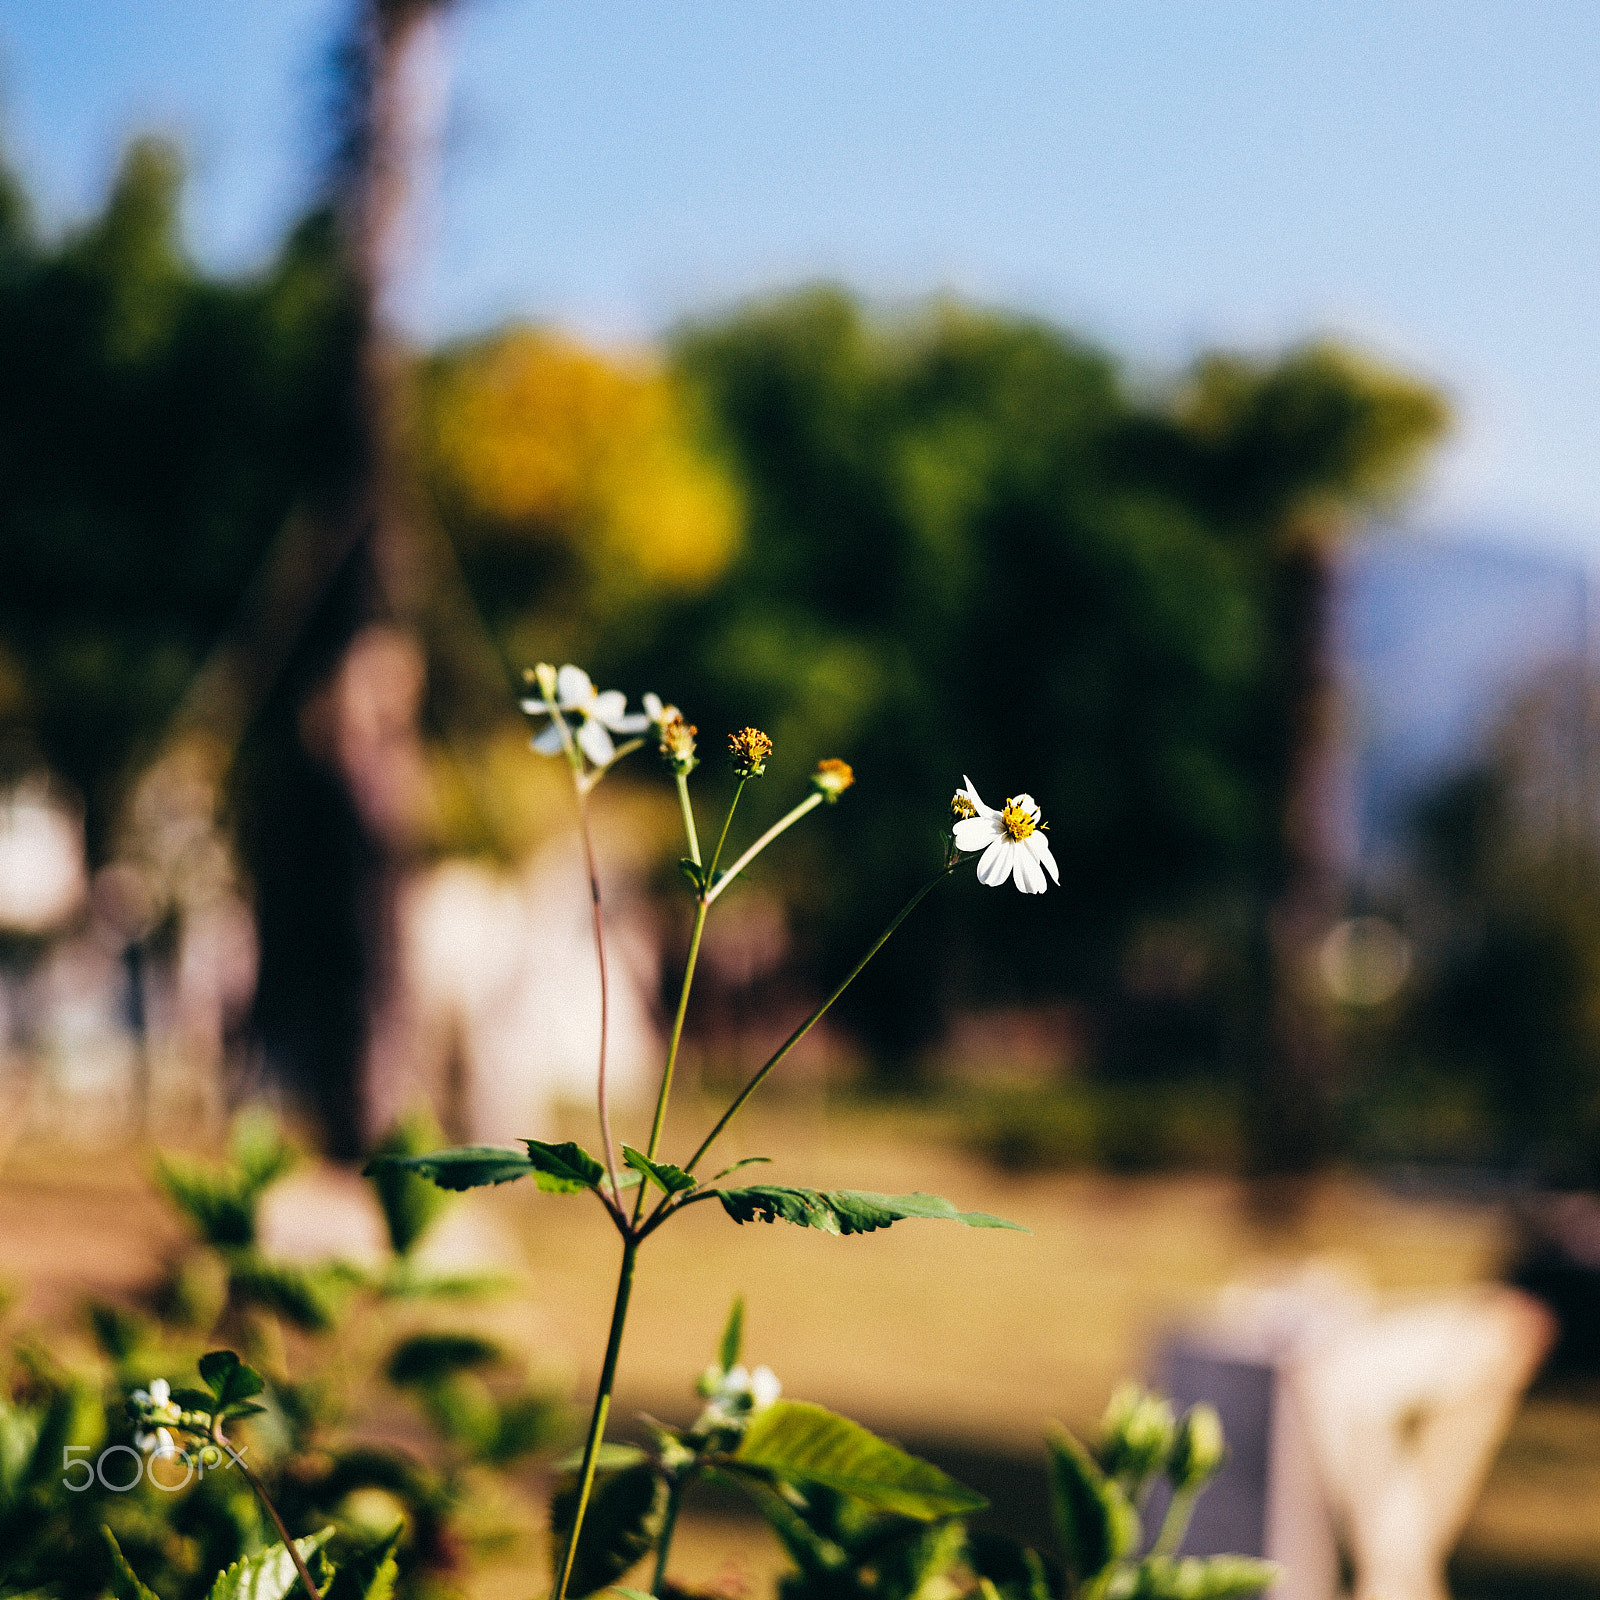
(592, 715)
(1012, 840)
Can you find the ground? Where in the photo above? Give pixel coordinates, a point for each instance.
(959, 1343)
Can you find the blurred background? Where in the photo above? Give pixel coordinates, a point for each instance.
(1187, 416)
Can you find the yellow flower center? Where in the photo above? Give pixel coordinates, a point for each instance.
(1017, 822)
(961, 806)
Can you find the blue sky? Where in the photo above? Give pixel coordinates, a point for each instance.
(1420, 178)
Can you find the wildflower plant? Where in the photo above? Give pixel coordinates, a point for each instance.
(641, 1189)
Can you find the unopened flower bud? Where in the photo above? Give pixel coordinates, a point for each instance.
(750, 748)
(832, 778)
(1198, 1449)
(1137, 1434)
(961, 806)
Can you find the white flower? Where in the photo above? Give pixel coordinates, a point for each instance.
(738, 1394)
(579, 701)
(161, 1442)
(1012, 840)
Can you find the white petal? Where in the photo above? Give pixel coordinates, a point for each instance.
(634, 722)
(765, 1387)
(994, 865)
(609, 706)
(1040, 847)
(161, 1391)
(548, 741)
(536, 708)
(1029, 874)
(573, 687)
(975, 833)
(972, 795)
(652, 705)
(1027, 803)
(595, 742)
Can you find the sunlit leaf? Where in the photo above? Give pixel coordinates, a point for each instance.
(805, 1443)
(671, 1179)
(1096, 1522)
(269, 1575)
(845, 1211)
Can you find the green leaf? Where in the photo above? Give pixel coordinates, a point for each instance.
(621, 1526)
(732, 1336)
(124, 1580)
(259, 1152)
(797, 1441)
(212, 1202)
(844, 1211)
(228, 1378)
(428, 1357)
(748, 1161)
(608, 1458)
(411, 1204)
(368, 1576)
(1202, 1578)
(812, 1551)
(194, 1399)
(243, 1408)
(269, 1575)
(310, 1297)
(1094, 1518)
(671, 1179)
(467, 1166)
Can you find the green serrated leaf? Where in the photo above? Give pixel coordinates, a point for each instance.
(665, 1176)
(467, 1166)
(429, 1357)
(806, 1443)
(747, 1161)
(569, 1165)
(732, 1336)
(228, 1378)
(1202, 1578)
(194, 1399)
(621, 1526)
(411, 1203)
(124, 1580)
(368, 1576)
(1096, 1521)
(269, 1575)
(846, 1211)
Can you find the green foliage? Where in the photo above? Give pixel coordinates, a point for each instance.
(368, 1576)
(124, 1580)
(427, 1357)
(845, 1211)
(1201, 1578)
(229, 1379)
(666, 1177)
(623, 1522)
(800, 1443)
(411, 1204)
(556, 1168)
(732, 1341)
(1095, 1520)
(269, 1575)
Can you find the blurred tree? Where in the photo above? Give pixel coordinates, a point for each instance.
(972, 547)
(155, 430)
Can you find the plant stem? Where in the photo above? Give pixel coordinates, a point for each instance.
(722, 838)
(688, 818)
(810, 803)
(817, 1015)
(602, 1409)
(277, 1521)
(669, 1524)
(1175, 1524)
(700, 911)
(605, 992)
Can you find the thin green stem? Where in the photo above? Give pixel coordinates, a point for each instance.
(688, 818)
(810, 803)
(702, 907)
(815, 1017)
(602, 1409)
(1175, 1524)
(727, 822)
(669, 1524)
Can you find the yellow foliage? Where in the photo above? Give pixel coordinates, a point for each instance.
(529, 435)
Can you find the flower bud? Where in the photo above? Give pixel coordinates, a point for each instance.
(1137, 1434)
(1198, 1449)
(832, 778)
(961, 806)
(750, 748)
(677, 741)
(545, 675)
